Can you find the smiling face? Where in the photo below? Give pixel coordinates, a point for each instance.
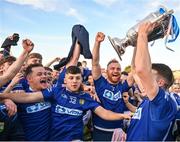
(114, 72)
(176, 88)
(73, 82)
(37, 78)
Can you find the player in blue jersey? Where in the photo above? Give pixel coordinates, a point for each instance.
(35, 117)
(109, 92)
(153, 117)
(68, 105)
(10, 129)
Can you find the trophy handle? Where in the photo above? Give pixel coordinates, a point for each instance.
(119, 50)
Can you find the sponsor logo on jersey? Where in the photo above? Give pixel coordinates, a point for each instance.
(137, 114)
(111, 96)
(38, 107)
(69, 111)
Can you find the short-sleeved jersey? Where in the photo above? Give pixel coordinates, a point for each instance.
(111, 99)
(152, 119)
(67, 113)
(36, 119)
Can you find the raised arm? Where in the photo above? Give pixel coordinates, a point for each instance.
(57, 59)
(14, 81)
(109, 115)
(75, 57)
(133, 71)
(143, 67)
(22, 97)
(16, 66)
(96, 68)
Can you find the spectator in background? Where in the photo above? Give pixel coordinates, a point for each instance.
(85, 72)
(84, 64)
(124, 76)
(176, 88)
(175, 93)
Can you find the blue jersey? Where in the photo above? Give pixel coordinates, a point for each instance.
(24, 83)
(152, 119)
(3, 112)
(35, 118)
(177, 101)
(60, 80)
(111, 99)
(67, 113)
(176, 123)
(85, 75)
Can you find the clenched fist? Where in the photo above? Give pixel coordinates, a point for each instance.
(100, 37)
(28, 45)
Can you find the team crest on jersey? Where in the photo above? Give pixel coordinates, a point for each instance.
(81, 101)
(111, 96)
(64, 96)
(137, 114)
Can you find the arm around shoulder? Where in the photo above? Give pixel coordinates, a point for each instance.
(23, 97)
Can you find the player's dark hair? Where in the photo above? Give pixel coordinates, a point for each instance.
(164, 71)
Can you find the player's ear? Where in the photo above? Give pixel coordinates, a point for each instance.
(161, 82)
(29, 78)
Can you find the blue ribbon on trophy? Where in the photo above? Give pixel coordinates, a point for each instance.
(166, 27)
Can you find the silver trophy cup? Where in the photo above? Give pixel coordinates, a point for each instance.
(161, 17)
